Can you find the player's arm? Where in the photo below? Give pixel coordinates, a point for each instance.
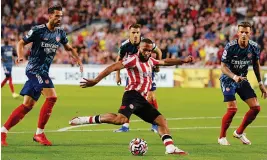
(158, 57)
(225, 70)
(173, 62)
(256, 68)
(120, 56)
(74, 54)
(20, 49)
(158, 52)
(91, 82)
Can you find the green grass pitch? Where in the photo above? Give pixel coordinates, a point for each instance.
(194, 121)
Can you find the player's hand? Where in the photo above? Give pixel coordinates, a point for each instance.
(189, 59)
(88, 83)
(19, 60)
(118, 79)
(81, 65)
(238, 79)
(263, 91)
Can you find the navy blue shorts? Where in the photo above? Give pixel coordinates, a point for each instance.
(243, 89)
(35, 84)
(7, 70)
(153, 86)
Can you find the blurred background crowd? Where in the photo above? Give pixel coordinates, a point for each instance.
(96, 28)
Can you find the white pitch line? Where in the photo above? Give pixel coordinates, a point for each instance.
(169, 119)
(136, 129)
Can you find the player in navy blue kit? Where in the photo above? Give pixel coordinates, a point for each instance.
(237, 57)
(46, 39)
(130, 47)
(8, 54)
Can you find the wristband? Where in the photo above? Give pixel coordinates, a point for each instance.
(260, 82)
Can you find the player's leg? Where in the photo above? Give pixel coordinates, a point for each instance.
(229, 98)
(109, 118)
(248, 95)
(151, 98)
(16, 116)
(151, 115)
(45, 112)
(4, 82)
(122, 117)
(126, 126)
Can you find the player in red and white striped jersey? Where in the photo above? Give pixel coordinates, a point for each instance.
(139, 68)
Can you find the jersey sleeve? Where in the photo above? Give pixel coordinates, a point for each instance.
(129, 62)
(154, 46)
(226, 54)
(153, 61)
(31, 35)
(122, 52)
(64, 39)
(14, 52)
(257, 53)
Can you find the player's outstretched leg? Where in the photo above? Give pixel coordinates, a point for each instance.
(226, 121)
(249, 118)
(110, 118)
(16, 116)
(44, 116)
(164, 133)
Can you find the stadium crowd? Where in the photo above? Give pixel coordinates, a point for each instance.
(179, 27)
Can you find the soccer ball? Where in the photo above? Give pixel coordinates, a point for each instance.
(138, 147)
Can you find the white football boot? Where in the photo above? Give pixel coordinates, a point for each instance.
(175, 150)
(223, 141)
(242, 138)
(79, 121)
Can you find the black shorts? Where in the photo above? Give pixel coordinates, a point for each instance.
(243, 89)
(134, 103)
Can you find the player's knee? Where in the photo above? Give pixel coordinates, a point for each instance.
(256, 109)
(52, 99)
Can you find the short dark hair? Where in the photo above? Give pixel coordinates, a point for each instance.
(135, 26)
(244, 24)
(57, 7)
(146, 40)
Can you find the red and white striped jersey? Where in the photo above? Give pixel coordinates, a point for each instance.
(139, 73)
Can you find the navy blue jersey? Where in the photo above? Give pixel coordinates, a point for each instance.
(239, 59)
(127, 48)
(44, 47)
(7, 52)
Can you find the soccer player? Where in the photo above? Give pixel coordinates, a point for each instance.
(236, 58)
(130, 47)
(46, 39)
(139, 69)
(8, 54)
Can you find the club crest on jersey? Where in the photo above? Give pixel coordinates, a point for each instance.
(249, 55)
(47, 81)
(57, 38)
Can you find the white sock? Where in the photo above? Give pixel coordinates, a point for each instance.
(126, 125)
(39, 131)
(3, 129)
